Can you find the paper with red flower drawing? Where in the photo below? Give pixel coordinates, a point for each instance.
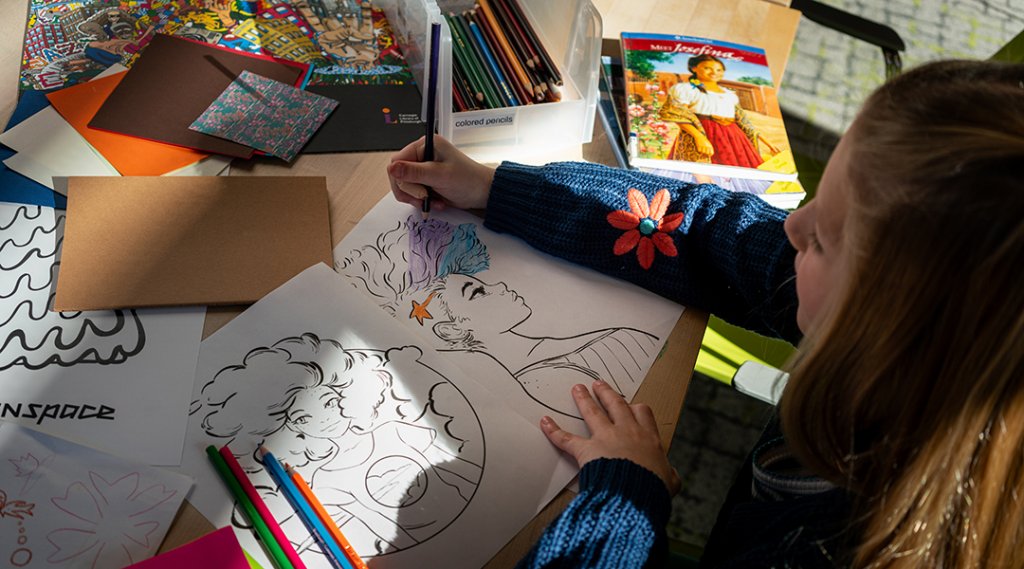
(67, 506)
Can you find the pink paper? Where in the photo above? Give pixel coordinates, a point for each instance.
(217, 550)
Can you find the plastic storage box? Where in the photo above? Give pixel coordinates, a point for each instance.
(571, 32)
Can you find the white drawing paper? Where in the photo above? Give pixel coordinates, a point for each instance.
(68, 506)
(419, 465)
(48, 146)
(117, 380)
(505, 311)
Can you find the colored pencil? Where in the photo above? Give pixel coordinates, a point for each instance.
(469, 94)
(545, 59)
(428, 148)
(261, 507)
(326, 518)
(465, 55)
(488, 16)
(514, 33)
(523, 94)
(493, 63)
(462, 88)
(458, 103)
(263, 533)
(481, 61)
(316, 529)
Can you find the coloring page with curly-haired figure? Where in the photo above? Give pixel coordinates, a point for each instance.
(117, 380)
(409, 456)
(68, 506)
(530, 324)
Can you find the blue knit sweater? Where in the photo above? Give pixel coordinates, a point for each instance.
(732, 255)
(729, 256)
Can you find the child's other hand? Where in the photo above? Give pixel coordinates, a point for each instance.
(618, 430)
(455, 178)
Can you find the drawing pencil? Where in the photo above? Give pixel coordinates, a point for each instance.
(326, 518)
(488, 17)
(492, 63)
(466, 52)
(316, 529)
(261, 507)
(428, 147)
(274, 550)
(523, 94)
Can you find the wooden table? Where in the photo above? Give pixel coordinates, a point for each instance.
(357, 181)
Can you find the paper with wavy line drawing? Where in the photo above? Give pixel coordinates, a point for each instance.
(118, 380)
(68, 506)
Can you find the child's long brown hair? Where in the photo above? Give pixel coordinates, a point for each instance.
(911, 391)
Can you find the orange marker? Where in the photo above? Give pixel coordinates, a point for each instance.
(327, 520)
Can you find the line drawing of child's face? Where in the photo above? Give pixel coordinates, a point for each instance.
(492, 307)
(316, 412)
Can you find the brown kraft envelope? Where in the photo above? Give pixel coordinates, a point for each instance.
(172, 241)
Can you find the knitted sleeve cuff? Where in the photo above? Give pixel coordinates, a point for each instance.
(632, 482)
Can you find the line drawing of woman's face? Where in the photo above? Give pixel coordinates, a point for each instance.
(316, 413)
(491, 307)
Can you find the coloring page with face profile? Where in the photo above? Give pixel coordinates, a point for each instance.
(117, 380)
(526, 324)
(68, 506)
(410, 457)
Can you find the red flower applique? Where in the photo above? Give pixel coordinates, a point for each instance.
(646, 226)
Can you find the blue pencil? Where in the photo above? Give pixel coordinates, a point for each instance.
(305, 512)
(506, 91)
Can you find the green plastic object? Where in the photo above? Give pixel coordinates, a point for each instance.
(726, 347)
(1012, 52)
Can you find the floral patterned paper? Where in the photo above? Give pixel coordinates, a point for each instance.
(66, 506)
(265, 114)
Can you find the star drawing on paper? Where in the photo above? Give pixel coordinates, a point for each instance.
(419, 311)
(646, 226)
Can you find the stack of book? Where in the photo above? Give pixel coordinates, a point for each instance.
(701, 111)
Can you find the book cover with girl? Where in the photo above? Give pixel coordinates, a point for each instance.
(703, 106)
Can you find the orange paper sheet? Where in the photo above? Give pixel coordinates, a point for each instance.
(131, 156)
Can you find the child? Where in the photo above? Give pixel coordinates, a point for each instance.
(900, 436)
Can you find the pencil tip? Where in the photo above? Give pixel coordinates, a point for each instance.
(263, 450)
(426, 214)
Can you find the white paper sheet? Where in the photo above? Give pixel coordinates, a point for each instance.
(116, 380)
(420, 465)
(48, 146)
(69, 506)
(526, 324)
